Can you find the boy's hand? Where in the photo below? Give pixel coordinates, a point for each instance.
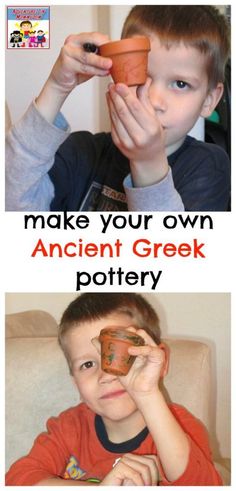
(133, 470)
(74, 65)
(137, 132)
(148, 367)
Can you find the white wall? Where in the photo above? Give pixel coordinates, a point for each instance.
(201, 316)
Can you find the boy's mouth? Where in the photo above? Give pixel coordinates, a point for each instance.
(114, 394)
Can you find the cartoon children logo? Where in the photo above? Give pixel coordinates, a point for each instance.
(28, 27)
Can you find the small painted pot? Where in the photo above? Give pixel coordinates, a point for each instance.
(129, 59)
(115, 342)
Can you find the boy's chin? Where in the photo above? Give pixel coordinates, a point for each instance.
(114, 409)
(119, 412)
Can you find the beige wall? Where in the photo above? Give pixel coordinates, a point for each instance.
(199, 316)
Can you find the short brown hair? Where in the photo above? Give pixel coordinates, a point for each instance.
(89, 307)
(200, 26)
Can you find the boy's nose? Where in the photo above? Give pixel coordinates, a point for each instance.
(106, 378)
(157, 99)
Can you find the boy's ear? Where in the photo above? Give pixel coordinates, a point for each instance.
(212, 99)
(165, 367)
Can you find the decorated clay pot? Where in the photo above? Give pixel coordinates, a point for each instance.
(114, 349)
(129, 59)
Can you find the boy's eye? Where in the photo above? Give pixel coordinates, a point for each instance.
(87, 364)
(180, 84)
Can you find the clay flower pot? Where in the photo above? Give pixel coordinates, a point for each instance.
(114, 349)
(129, 59)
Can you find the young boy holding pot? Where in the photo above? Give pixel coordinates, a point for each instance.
(147, 162)
(124, 432)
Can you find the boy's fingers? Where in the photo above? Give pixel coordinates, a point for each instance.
(127, 104)
(89, 63)
(141, 332)
(124, 119)
(128, 482)
(146, 465)
(77, 68)
(141, 467)
(139, 350)
(121, 93)
(154, 354)
(154, 470)
(147, 338)
(87, 59)
(120, 131)
(153, 462)
(114, 134)
(130, 472)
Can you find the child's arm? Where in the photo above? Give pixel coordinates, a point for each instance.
(32, 142)
(174, 445)
(138, 134)
(73, 67)
(31, 145)
(142, 384)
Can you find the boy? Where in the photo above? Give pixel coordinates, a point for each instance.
(147, 162)
(123, 433)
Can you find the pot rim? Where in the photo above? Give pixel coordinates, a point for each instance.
(125, 45)
(121, 334)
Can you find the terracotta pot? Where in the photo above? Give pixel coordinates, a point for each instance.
(114, 349)
(129, 59)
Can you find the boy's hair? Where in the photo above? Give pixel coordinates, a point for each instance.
(90, 307)
(198, 26)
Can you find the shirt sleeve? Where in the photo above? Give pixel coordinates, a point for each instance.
(161, 196)
(31, 145)
(49, 454)
(200, 470)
